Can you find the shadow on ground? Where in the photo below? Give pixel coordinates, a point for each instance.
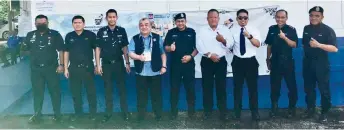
(182, 122)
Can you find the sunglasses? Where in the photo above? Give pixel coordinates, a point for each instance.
(242, 18)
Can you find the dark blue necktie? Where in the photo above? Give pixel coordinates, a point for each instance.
(242, 42)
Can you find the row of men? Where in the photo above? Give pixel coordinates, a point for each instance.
(148, 50)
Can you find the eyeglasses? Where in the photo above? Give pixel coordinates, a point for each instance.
(242, 18)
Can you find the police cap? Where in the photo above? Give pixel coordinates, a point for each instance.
(180, 16)
(317, 9)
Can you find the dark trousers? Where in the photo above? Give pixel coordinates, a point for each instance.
(209, 70)
(245, 69)
(14, 54)
(143, 83)
(186, 73)
(283, 69)
(111, 72)
(3, 56)
(41, 76)
(317, 71)
(79, 75)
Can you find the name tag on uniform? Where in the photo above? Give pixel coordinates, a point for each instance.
(147, 55)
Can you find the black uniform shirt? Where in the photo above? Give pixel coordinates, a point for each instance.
(323, 34)
(185, 42)
(43, 47)
(111, 42)
(279, 47)
(80, 47)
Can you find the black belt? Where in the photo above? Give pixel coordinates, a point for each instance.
(42, 65)
(82, 65)
(111, 61)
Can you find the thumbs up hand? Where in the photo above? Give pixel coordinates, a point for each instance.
(220, 38)
(173, 46)
(246, 33)
(314, 43)
(282, 35)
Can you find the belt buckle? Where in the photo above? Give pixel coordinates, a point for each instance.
(113, 61)
(41, 65)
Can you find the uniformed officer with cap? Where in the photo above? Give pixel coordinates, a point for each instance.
(42, 45)
(79, 46)
(181, 43)
(113, 41)
(318, 39)
(281, 38)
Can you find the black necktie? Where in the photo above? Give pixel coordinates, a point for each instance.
(242, 42)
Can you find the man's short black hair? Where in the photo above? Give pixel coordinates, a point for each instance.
(78, 17)
(282, 10)
(41, 16)
(111, 11)
(242, 11)
(213, 10)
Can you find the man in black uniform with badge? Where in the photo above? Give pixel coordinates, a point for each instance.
(43, 45)
(113, 44)
(79, 46)
(181, 42)
(318, 40)
(281, 38)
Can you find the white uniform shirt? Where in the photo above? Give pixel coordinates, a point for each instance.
(250, 49)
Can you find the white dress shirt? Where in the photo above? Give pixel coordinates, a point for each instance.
(250, 49)
(206, 40)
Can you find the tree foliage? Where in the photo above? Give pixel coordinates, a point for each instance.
(4, 9)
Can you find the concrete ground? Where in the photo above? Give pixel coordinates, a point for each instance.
(182, 122)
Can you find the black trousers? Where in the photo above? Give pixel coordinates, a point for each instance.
(82, 76)
(14, 54)
(245, 69)
(143, 84)
(40, 77)
(111, 72)
(317, 71)
(214, 71)
(3, 56)
(186, 73)
(283, 68)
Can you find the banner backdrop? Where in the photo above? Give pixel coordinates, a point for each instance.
(261, 18)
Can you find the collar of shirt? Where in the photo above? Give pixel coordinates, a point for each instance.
(150, 35)
(81, 34)
(109, 29)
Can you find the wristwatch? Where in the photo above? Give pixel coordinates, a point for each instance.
(61, 64)
(128, 63)
(164, 67)
(250, 37)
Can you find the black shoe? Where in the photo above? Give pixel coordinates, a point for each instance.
(291, 113)
(173, 116)
(92, 117)
(35, 119)
(106, 118)
(223, 117)
(74, 118)
(309, 113)
(140, 117)
(323, 118)
(191, 114)
(125, 116)
(206, 115)
(158, 118)
(255, 116)
(57, 119)
(237, 114)
(274, 110)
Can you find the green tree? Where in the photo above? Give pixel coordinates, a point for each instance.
(4, 9)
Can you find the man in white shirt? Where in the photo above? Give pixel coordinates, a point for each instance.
(213, 42)
(244, 63)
